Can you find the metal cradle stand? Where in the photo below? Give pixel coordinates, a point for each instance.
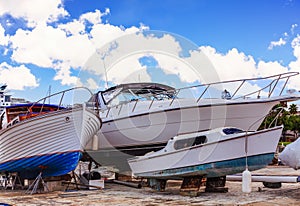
(11, 180)
(32, 189)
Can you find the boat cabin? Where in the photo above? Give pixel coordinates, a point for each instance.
(198, 138)
(194, 139)
(190, 140)
(16, 113)
(135, 91)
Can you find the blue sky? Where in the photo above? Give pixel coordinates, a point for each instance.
(48, 42)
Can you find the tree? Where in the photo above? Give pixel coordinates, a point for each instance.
(293, 109)
(289, 119)
(293, 124)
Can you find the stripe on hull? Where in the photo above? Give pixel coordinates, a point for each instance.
(215, 169)
(55, 164)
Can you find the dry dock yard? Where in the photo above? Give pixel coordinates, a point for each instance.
(116, 194)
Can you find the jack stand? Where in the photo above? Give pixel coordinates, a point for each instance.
(216, 184)
(14, 178)
(34, 186)
(190, 186)
(75, 177)
(158, 184)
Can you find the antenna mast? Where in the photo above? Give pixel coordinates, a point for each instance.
(49, 92)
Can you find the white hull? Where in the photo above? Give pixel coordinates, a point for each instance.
(127, 129)
(207, 158)
(53, 133)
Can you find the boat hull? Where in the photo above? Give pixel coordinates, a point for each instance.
(123, 136)
(51, 143)
(216, 169)
(215, 159)
(50, 164)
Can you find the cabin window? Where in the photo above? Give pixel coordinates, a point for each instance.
(7, 98)
(111, 94)
(232, 131)
(184, 143)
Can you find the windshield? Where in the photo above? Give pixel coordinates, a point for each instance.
(109, 95)
(121, 95)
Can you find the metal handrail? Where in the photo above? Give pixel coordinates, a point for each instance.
(56, 94)
(271, 85)
(282, 76)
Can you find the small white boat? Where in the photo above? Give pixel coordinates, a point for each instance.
(47, 138)
(212, 153)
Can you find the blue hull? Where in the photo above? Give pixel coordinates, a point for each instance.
(214, 169)
(50, 165)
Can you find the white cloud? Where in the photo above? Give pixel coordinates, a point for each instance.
(294, 26)
(237, 65)
(17, 78)
(73, 28)
(34, 11)
(178, 66)
(104, 33)
(128, 70)
(296, 46)
(205, 65)
(92, 84)
(273, 44)
(64, 74)
(295, 65)
(66, 46)
(232, 65)
(3, 38)
(265, 69)
(46, 46)
(129, 48)
(93, 17)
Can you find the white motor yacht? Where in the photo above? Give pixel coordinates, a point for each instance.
(142, 117)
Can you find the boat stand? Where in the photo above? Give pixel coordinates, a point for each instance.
(157, 184)
(216, 184)
(32, 189)
(190, 186)
(11, 180)
(76, 179)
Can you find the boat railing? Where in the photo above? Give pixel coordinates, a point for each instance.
(278, 111)
(62, 94)
(12, 122)
(275, 120)
(273, 83)
(271, 86)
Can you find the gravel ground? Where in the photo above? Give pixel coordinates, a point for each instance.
(114, 194)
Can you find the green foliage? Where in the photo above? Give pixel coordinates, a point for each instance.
(283, 143)
(293, 109)
(289, 119)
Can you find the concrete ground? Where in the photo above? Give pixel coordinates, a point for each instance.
(115, 194)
